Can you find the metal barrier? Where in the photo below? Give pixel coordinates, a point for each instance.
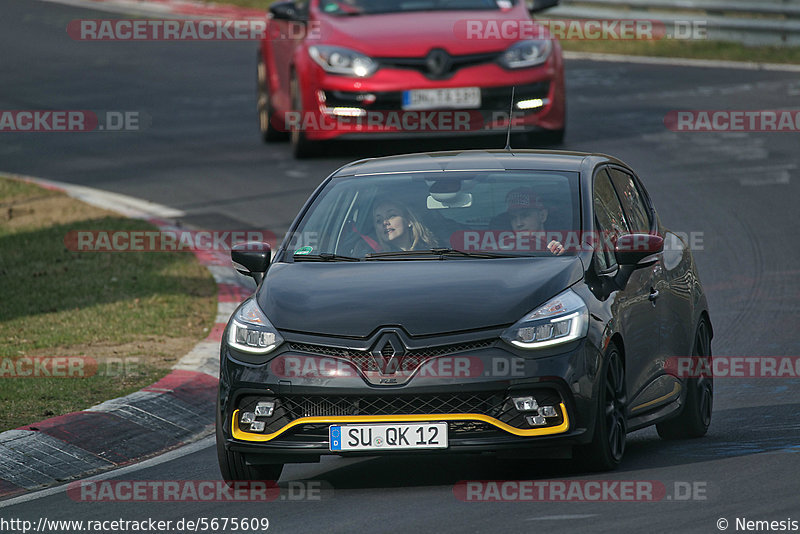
(751, 22)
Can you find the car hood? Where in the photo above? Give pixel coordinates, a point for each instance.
(415, 34)
(422, 296)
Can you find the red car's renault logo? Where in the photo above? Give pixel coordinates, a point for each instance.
(388, 353)
(438, 62)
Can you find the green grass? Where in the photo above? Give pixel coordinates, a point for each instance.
(690, 49)
(145, 308)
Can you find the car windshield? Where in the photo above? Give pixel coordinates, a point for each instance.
(367, 7)
(458, 214)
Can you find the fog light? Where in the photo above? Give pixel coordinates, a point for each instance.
(257, 426)
(548, 411)
(248, 417)
(525, 404)
(531, 103)
(265, 408)
(536, 420)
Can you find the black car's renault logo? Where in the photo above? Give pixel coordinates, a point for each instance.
(387, 353)
(438, 62)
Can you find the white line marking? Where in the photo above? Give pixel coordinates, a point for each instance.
(191, 448)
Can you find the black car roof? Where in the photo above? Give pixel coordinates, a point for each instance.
(473, 160)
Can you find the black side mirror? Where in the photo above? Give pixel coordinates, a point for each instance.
(633, 248)
(284, 11)
(534, 6)
(630, 250)
(251, 259)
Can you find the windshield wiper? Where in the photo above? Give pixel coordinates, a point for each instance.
(324, 256)
(441, 252)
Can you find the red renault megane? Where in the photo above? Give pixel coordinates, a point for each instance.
(332, 68)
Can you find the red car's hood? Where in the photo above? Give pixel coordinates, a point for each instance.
(415, 34)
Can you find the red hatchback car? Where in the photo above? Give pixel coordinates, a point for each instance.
(332, 68)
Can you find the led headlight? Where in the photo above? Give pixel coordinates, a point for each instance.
(251, 331)
(344, 61)
(526, 54)
(562, 319)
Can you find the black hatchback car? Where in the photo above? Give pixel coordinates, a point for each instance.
(523, 303)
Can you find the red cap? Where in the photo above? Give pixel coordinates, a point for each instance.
(523, 198)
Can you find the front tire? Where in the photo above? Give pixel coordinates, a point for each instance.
(302, 148)
(607, 447)
(695, 417)
(269, 134)
(233, 467)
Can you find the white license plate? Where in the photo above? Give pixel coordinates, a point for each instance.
(388, 437)
(458, 98)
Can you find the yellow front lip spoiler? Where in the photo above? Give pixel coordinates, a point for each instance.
(348, 419)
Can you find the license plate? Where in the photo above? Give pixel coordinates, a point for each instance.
(388, 437)
(458, 98)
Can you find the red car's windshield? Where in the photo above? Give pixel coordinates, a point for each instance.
(366, 7)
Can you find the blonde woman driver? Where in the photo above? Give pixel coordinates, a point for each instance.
(399, 228)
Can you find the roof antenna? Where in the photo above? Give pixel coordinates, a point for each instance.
(510, 113)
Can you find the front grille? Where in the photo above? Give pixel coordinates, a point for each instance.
(493, 404)
(420, 63)
(308, 406)
(355, 354)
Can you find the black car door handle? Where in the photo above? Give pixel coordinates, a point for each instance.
(653, 294)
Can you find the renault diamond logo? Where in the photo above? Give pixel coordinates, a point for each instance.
(438, 62)
(388, 353)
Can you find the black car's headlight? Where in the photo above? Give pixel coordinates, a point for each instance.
(338, 60)
(251, 331)
(562, 319)
(526, 54)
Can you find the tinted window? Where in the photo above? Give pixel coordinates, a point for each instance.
(635, 210)
(608, 215)
(503, 211)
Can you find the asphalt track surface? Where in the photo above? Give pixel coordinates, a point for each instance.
(202, 154)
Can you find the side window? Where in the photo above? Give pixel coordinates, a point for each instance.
(609, 217)
(635, 210)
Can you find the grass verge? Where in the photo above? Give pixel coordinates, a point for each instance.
(120, 320)
(717, 50)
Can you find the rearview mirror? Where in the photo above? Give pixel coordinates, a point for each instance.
(284, 11)
(534, 6)
(251, 259)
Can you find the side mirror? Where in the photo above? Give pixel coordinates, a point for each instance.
(534, 6)
(283, 11)
(251, 259)
(633, 248)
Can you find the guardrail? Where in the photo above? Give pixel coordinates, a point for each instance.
(751, 22)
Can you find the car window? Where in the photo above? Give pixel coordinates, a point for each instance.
(356, 7)
(492, 211)
(609, 217)
(632, 202)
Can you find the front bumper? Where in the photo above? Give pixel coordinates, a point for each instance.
(476, 405)
(338, 106)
